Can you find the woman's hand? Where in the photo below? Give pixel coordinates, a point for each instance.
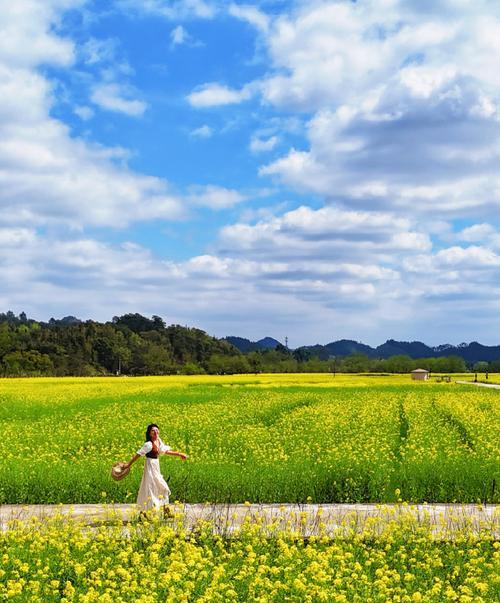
(181, 455)
(132, 460)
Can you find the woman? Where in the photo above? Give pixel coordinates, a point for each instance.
(154, 490)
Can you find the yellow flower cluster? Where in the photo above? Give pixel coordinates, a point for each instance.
(451, 435)
(150, 561)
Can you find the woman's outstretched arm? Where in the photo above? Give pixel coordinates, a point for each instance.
(181, 455)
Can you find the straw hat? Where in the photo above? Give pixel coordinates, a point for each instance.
(119, 471)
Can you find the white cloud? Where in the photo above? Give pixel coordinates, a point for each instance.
(463, 267)
(15, 237)
(402, 106)
(85, 113)
(421, 158)
(26, 42)
(324, 297)
(109, 88)
(336, 52)
(48, 176)
(326, 234)
(173, 10)
(96, 51)
(214, 197)
(477, 232)
(405, 103)
(56, 277)
(222, 292)
(251, 14)
(258, 145)
(423, 81)
(327, 53)
(203, 132)
(212, 95)
(473, 258)
(178, 36)
(113, 97)
(484, 233)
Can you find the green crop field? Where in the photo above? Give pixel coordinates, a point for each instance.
(262, 438)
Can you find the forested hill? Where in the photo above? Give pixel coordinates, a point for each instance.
(129, 344)
(245, 345)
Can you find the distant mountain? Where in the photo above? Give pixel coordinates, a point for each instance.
(470, 352)
(345, 347)
(67, 320)
(312, 351)
(474, 352)
(268, 343)
(414, 349)
(245, 345)
(445, 346)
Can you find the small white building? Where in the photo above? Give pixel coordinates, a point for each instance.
(420, 375)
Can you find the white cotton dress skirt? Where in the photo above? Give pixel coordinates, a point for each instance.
(153, 491)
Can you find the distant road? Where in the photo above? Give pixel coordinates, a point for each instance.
(490, 385)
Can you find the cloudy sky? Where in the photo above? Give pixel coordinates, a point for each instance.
(312, 169)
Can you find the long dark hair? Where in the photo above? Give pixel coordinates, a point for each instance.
(148, 431)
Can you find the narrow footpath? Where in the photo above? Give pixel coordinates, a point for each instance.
(445, 520)
(490, 385)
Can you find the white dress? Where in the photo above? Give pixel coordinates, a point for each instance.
(154, 490)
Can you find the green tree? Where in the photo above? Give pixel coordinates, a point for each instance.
(27, 363)
(399, 363)
(6, 339)
(495, 366)
(138, 323)
(191, 368)
(219, 364)
(255, 363)
(355, 363)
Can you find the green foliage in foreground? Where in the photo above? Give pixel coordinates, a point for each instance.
(247, 440)
(151, 561)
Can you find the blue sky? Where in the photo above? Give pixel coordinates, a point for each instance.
(316, 170)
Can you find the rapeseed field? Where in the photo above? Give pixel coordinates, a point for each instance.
(262, 438)
(153, 561)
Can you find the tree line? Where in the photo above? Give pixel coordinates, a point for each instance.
(282, 360)
(130, 345)
(133, 344)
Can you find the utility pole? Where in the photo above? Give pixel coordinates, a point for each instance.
(286, 343)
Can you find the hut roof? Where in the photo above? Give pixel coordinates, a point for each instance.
(420, 371)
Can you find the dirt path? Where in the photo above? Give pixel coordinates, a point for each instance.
(445, 519)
